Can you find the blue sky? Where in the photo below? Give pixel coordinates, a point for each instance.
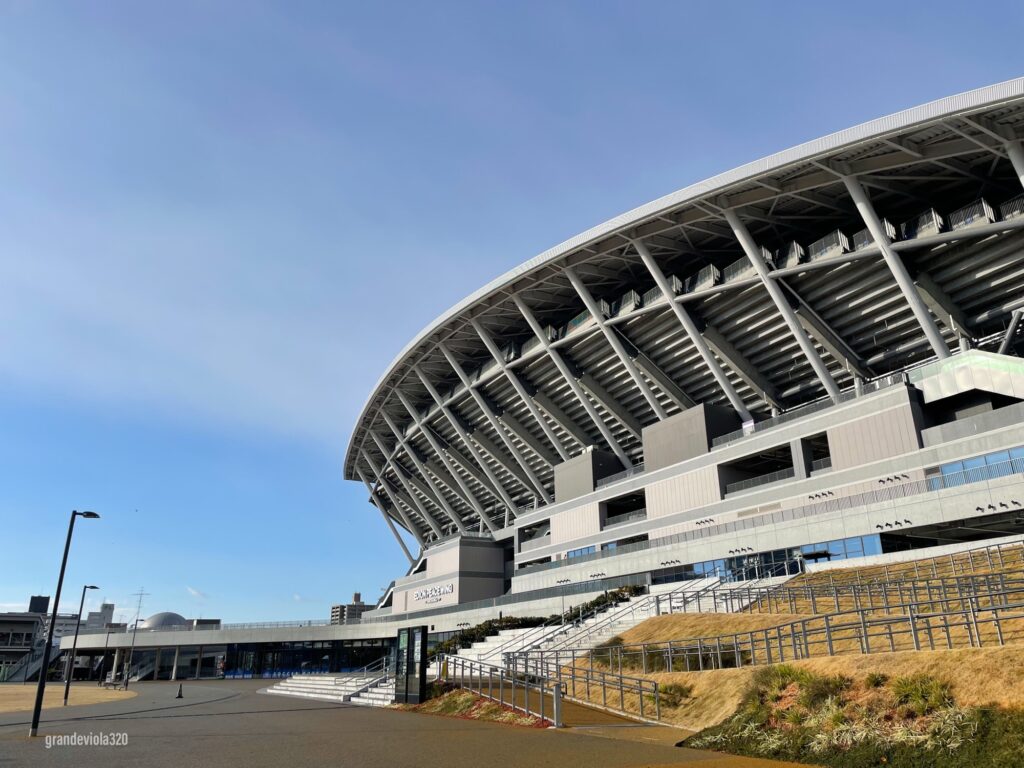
(220, 221)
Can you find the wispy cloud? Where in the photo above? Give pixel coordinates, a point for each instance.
(196, 593)
(297, 597)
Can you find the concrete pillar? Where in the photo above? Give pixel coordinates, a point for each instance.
(117, 662)
(199, 662)
(896, 266)
(156, 664)
(174, 670)
(753, 252)
(801, 451)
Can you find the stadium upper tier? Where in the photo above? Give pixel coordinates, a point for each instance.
(782, 282)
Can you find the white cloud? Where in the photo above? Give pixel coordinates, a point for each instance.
(196, 593)
(297, 597)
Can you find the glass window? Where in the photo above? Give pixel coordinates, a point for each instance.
(872, 545)
(1017, 453)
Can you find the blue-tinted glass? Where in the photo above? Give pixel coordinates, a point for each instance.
(872, 545)
(952, 467)
(1017, 453)
(999, 457)
(975, 463)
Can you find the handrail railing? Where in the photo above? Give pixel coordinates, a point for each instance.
(525, 692)
(582, 683)
(914, 627)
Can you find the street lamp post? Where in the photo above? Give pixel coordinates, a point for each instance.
(74, 645)
(38, 708)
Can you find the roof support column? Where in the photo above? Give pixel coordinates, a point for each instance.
(574, 385)
(473, 450)
(438, 491)
(495, 424)
(437, 448)
(781, 303)
(410, 491)
(899, 271)
(517, 385)
(615, 342)
(378, 472)
(693, 332)
(1015, 149)
(379, 503)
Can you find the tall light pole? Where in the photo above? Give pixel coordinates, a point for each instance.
(74, 645)
(38, 708)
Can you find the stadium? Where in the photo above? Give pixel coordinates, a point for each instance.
(805, 359)
(806, 362)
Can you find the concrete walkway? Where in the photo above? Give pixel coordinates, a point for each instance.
(227, 723)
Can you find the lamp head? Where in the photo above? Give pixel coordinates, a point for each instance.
(90, 586)
(88, 515)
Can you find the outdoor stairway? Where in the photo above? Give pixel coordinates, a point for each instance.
(381, 694)
(340, 688)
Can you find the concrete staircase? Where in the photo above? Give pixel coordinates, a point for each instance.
(380, 694)
(339, 688)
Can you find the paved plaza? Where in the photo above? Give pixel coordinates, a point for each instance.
(228, 723)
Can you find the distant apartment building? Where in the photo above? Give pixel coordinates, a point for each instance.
(346, 613)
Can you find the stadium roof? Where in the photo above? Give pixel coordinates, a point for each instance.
(778, 295)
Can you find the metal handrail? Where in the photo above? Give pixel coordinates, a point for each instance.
(579, 680)
(489, 679)
(798, 634)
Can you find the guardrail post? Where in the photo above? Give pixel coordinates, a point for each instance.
(556, 705)
(913, 628)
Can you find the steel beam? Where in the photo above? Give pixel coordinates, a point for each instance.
(443, 475)
(563, 419)
(378, 502)
(410, 488)
(447, 455)
(743, 367)
(442, 501)
(753, 252)
(461, 432)
(693, 333)
(610, 404)
(615, 342)
(529, 477)
(517, 428)
(378, 472)
(942, 305)
(1011, 331)
(1015, 150)
(520, 388)
(654, 372)
(822, 332)
(574, 385)
(896, 266)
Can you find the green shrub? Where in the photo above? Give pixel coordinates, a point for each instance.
(921, 694)
(815, 690)
(673, 694)
(875, 680)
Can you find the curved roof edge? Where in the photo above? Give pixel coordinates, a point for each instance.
(898, 121)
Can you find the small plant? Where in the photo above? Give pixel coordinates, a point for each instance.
(875, 680)
(815, 690)
(921, 694)
(673, 694)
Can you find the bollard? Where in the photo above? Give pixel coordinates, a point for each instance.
(556, 697)
(179, 696)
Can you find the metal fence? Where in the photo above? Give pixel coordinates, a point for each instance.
(528, 692)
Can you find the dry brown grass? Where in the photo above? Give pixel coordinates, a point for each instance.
(15, 697)
(968, 562)
(978, 676)
(681, 626)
